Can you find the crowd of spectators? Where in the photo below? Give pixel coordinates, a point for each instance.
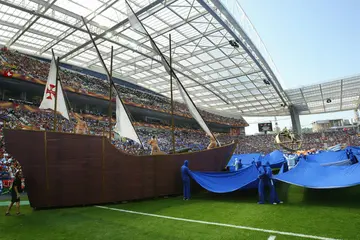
(194, 140)
(265, 143)
(26, 65)
(8, 167)
(44, 120)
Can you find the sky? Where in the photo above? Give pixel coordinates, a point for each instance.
(310, 41)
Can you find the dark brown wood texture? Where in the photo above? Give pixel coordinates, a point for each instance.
(84, 169)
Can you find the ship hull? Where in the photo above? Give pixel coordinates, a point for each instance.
(63, 170)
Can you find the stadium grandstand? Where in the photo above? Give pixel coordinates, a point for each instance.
(20, 106)
(214, 63)
(220, 66)
(216, 58)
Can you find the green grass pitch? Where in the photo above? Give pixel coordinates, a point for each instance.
(324, 213)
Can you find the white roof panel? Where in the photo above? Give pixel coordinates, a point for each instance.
(216, 73)
(343, 93)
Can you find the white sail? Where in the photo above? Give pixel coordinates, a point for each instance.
(192, 109)
(49, 97)
(123, 125)
(134, 21)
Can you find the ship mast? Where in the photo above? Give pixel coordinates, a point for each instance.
(56, 89)
(172, 100)
(112, 83)
(110, 94)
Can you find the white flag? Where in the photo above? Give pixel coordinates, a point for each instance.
(48, 101)
(123, 125)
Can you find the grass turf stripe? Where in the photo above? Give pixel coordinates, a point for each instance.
(220, 224)
(22, 203)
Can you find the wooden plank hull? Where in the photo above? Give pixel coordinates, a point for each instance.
(63, 169)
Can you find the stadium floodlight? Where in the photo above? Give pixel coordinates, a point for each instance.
(267, 82)
(234, 44)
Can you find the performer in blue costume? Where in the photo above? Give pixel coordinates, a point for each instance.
(301, 156)
(261, 176)
(284, 168)
(273, 195)
(347, 153)
(352, 157)
(239, 164)
(185, 175)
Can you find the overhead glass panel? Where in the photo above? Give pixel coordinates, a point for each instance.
(204, 60)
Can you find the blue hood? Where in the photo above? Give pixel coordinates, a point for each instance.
(258, 163)
(186, 163)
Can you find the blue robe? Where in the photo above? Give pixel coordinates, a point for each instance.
(185, 175)
(239, 165)
(284, 168)
(347, 154)
(352, 157)
(273, 195)
(262, 179)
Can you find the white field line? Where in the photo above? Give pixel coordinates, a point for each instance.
(220, 224)
(271, 238)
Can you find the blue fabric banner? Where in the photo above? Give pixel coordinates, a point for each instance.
(246, 159)
(320, 171)
(355, 150)
(327, 157)
(275, 158)
(313, 175)
(223, 182)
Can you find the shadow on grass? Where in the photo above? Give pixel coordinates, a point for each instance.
(290, 194)
(293, 195)
(245, 196)
(342, 197)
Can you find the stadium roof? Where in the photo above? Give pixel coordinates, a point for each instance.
(219, 76)
(332, 96)
(216, 74)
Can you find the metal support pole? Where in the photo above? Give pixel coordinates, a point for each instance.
(172, 100)
(110, 94)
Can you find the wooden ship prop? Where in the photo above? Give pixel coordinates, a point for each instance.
(69, 169)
